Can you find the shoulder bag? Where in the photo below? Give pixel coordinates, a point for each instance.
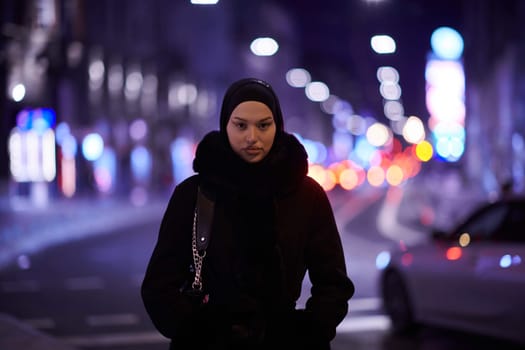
(202, 219)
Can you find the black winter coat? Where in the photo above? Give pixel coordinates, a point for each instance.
(271, 225)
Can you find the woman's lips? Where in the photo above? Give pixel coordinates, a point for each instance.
(252, 150)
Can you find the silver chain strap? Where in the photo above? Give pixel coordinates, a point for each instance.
(197, 257)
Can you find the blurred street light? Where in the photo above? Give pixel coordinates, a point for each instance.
(447, 43)
(298, 77)
(204, 2)
(18, 92)
(317, 91)
(383, 44)
(264, 47)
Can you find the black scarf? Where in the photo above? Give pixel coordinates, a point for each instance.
(278, 173)
(251, 259)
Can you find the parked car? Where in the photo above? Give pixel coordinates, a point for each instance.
(470, 279)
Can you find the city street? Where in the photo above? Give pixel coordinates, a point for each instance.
(411, 115)
(86, 292)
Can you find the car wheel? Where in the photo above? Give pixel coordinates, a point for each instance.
(397, 304)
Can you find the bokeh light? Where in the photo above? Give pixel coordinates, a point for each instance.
(375, 176)
(92, 146)
(383, 44)
(317, 91)
(424, 151)
(264, 46)
(298, 77)
(447, 43)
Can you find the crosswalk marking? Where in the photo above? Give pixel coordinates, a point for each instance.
(84, 283)
(364, 304)
(40, 323)
(112, 320)
(114, 339)
(20, 286)
(364, 323)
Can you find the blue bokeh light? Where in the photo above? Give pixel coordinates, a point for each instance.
(447, 43)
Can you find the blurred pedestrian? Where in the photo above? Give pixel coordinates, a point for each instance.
(271, 224)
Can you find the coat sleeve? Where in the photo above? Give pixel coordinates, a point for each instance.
(325, 261)
(168, 267)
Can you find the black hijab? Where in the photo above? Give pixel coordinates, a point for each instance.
(284, 167)
(250, 89)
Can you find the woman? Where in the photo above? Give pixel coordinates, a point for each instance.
(271, 224)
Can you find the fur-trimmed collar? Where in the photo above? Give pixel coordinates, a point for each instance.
(279, 172)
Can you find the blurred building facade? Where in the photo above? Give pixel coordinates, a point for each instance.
(108, 65)
(160, 67)
(495, 67)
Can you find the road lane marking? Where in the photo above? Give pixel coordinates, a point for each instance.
(84, 283)
(20, 286)
(40, 323)
(112, 320)
(364, 304)
(364, 323)
(116, 339)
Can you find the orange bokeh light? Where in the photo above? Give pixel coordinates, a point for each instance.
(454, 253)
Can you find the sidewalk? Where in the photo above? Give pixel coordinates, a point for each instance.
(25, 229)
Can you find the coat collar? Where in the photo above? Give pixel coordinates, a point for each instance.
(280, 172)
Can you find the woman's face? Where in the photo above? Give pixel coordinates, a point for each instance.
(251, 130)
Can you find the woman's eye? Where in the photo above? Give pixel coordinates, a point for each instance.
(264, 126)
(241, 126)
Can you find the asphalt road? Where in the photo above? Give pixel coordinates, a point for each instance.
(86, 292)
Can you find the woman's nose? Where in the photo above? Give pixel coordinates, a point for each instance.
(252, 134)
